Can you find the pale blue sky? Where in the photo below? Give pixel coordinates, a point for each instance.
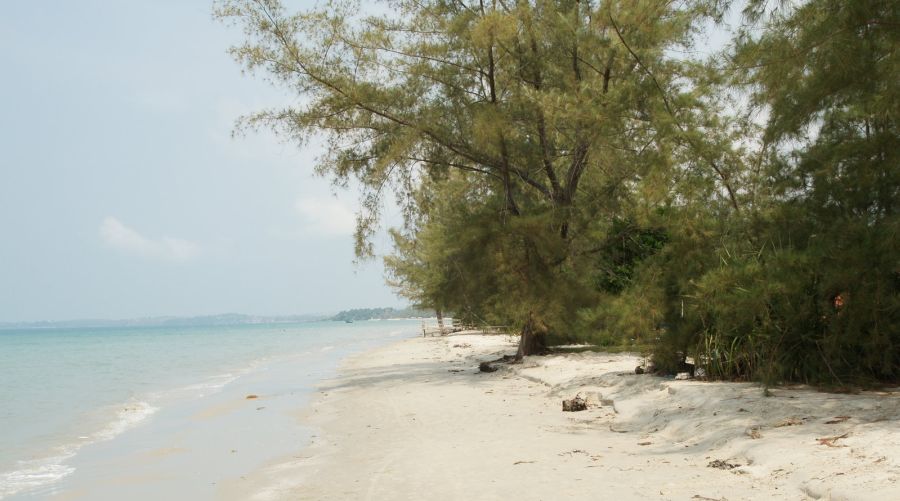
(122, 193)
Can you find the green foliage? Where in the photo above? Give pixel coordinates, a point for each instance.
(359, 314)
(805, 284)
(570, 169)
(770, 313)
(624, 247)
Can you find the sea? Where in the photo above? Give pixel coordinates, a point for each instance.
(83, 408)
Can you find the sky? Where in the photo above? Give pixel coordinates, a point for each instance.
(123, 193)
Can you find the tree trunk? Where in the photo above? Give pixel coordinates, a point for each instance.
(531, 342)
(440, 321)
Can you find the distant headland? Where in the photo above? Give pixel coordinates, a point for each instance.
(380, 314)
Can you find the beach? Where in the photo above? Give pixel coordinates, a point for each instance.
(265, 250)
(416, 419)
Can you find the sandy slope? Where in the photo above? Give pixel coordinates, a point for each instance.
(417, 421)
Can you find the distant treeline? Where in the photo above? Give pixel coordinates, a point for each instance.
(380, 314)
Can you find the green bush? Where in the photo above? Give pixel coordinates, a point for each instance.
(824, 312)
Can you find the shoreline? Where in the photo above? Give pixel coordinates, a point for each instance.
(201, 426)
(416, 419)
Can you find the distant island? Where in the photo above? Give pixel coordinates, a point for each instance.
(380, 314)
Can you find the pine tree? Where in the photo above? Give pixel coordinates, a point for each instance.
(549, 118)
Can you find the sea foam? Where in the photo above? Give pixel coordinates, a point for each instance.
(34, 473)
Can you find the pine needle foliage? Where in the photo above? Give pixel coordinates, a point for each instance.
(573, 170)
(806, 285)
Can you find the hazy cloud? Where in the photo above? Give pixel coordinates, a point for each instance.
(326, 216)
(128, 240)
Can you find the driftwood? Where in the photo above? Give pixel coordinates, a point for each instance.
(486, 367)
(574, 405)
(490, 367)
(682, 367)
(830, 441)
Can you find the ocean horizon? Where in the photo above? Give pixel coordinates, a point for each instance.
(79, 401)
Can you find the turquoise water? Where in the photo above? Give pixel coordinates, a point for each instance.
(64, 391)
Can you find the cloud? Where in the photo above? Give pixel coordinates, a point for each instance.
(326, 216)
(118, 236)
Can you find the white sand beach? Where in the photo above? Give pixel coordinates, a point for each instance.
(416, 420)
